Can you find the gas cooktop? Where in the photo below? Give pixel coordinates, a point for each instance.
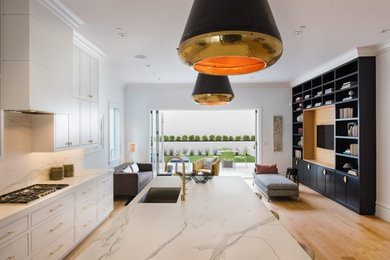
(30, 193)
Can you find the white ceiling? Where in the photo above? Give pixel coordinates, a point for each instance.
(154, 29)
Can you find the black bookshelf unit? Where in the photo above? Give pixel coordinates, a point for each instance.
(351, 89)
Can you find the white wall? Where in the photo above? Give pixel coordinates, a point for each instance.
(111, 89)
(273, 99)
(382, 133)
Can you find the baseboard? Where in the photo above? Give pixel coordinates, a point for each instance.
(382, 211)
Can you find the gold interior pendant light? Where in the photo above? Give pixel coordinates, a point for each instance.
(212, 90)
(230, 37)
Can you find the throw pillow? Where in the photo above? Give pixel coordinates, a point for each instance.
(264, 169)
(208, 163)
(135, 168)
(127, 170)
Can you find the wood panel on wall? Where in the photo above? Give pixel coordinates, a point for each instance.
(311, 119)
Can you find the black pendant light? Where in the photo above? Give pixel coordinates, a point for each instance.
(212, 90)
(230, 37)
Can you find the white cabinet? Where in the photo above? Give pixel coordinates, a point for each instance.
(89, 122)
(85, 75)
(16, 249)
(37, 58)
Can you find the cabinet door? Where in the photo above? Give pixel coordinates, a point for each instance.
(74, 124)
(330, 183)
(84, 75)
(94, 123)
(301, 171)
(296, 163)
(321, 179)
(306, 173)
(352, 192)
(85, 122)
(61, 130)
(76, 72)
(313, 176)
(94, 79)
(339, 187)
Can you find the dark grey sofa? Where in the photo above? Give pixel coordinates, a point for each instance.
(130, 184)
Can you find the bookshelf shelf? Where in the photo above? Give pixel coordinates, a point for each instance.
(355, 116)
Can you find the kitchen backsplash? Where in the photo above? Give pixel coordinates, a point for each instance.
(20, 166)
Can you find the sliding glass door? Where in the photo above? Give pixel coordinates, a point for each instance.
(157, 141)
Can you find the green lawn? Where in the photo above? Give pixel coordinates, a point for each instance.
(193, 158)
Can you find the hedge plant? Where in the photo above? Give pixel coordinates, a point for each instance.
(171, 138)
(166, 138)
(192, 137)
(238, 138)
(197, 138)
(218, 138)
(212, 137)
(205, 138)
(184, 138)
(231, 138)
(253, 138)
(246, 138)
(225, 138)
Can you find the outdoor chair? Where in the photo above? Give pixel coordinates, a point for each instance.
(242, 157)
(202, 165)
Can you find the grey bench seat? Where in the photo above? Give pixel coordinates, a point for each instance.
(275, 185)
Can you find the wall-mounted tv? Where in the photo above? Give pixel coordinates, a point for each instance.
(325, 136)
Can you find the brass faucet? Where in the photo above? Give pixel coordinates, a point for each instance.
(183, 176)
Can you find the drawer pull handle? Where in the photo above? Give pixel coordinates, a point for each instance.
(89, 222)
(85, 192)
(55, 251)
(345, 179)
(324, 172)
(6, 234)
(54, 209)
(308, 167)
(59, 225)
(90, 96)
(296, 162)
(10, 257)
(87, 206)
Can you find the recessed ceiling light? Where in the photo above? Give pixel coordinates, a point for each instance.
(118, 28)
(159, 78)
(122, 34)
(302, 27)
(140, 56)
(148, 65)
(298, 32)
(154, 73)
(385, 30)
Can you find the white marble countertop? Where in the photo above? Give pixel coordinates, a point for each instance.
(10, 212)
(222, 219)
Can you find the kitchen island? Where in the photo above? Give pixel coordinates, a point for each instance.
(221, 219)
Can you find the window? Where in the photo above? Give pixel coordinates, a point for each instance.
(114, 134)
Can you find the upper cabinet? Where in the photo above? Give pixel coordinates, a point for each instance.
(37, 48)
(86, 75)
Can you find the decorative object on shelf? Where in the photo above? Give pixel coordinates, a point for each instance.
(56, 173)
(347, 166)
(352, 129)
(298, 99)
(353, 172)
(300, 130)
(300, 106)
(298, 154)
(212, 90)
(347, 151)
(308, 106)
(328, 102)
(300, 118)
(318, 104)
(351, 93)
(68, 170)
(278, 133)
(236, 37)
(131, 149)
(348, 84)
(319, 93)
(307, 96)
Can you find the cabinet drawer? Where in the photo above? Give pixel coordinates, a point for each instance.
(105, 208)
(85, 192)
(56, 248)
(52, 209)
(105, 182)
(15, 250)
(52, 229)
(13, 229)
(105, 193)
(86, 216)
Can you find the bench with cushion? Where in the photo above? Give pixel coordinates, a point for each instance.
(274, 184)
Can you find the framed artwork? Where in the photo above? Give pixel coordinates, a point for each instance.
(278, 134)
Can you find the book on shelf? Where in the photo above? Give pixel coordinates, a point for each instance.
(308, 106)
(348, 84)
(298, 154)
(346, 112)
(353, 172)
(354, 149)
(318, 104)
(347, 98)
(328, 90)
(328, 102)
(300, 130)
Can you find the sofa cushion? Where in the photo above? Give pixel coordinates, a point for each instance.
(266, 169)
(276, 182)
(208, 163)
(134, 167)
(127, 169)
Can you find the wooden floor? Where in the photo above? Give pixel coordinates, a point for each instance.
(333, 231)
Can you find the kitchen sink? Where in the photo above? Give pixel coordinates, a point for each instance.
(161, 195)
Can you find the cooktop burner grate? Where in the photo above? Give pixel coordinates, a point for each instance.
(30, 193)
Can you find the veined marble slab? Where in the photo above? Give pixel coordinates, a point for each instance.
(222, 219)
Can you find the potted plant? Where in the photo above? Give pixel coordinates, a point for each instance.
(246, 138)
(192, 138)
(171, 138)
(238, 138)
(205, 138)
(253, 138)
(166, 138)
(197, 138)
(218, 138)
(192, 152)
(231, 138)
(185, 151)
(212, 137)
(225, 138)
(178, 138)
(171, 151)
(184, 138)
